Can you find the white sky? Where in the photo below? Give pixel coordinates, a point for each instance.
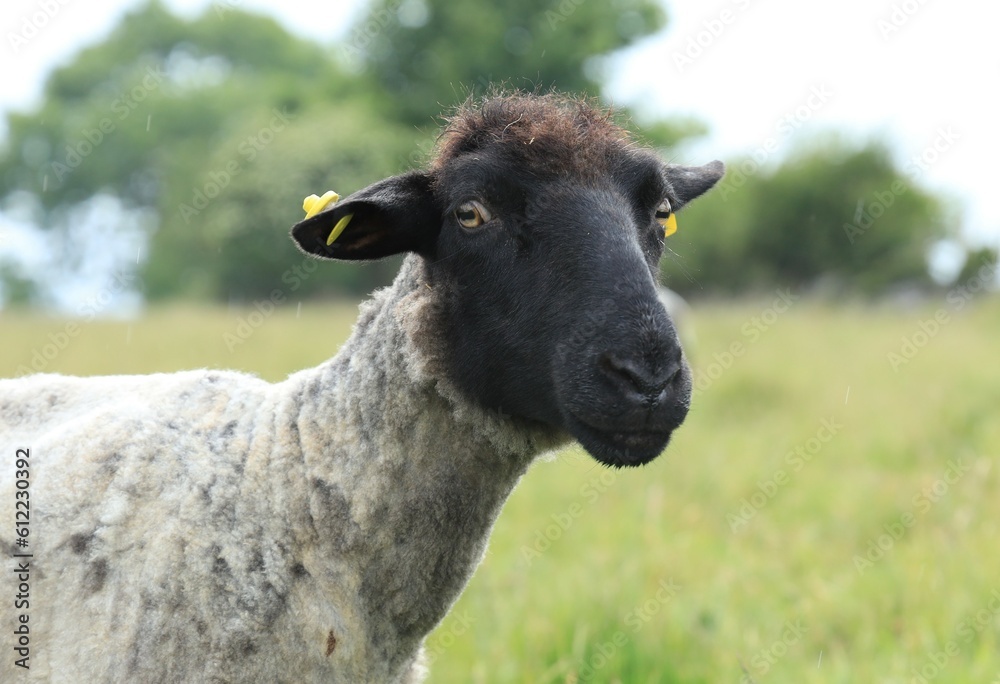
(938, 71)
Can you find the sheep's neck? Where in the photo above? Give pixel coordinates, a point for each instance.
(405, 484)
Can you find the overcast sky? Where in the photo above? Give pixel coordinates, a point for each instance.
(922, 73)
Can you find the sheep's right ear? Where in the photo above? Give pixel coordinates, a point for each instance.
(398, 214)
(690, 182)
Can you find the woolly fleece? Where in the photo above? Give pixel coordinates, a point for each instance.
(209, 526)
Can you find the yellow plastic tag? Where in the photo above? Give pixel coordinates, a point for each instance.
(339, 228)
(313, 204)
(670, 225)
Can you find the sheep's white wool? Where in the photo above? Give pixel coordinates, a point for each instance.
(210, 526)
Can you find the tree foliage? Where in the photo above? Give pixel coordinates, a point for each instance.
(217, 126)
(131, 110)
(211, 130)
(162, 111)
(833, 214)
(228, 227)
(980, 265)
(429, 53)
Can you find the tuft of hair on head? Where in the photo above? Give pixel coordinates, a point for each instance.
(556, 130)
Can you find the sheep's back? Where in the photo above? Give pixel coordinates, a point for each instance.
(148, 519)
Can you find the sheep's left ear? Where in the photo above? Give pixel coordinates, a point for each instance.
(689, 182)
(394, 215)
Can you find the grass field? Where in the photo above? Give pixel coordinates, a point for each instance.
(828, 513)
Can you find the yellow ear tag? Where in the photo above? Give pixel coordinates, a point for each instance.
(670, 225)
(339, 228)
(313, 204)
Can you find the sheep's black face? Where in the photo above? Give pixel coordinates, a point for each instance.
(555, 315)
(548, 275)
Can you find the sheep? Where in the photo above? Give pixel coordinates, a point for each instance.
(210, 526)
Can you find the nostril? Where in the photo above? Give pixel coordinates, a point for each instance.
(622, 371)
(674, 377)
(633, 377)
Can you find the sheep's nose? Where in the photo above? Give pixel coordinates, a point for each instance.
(640, 381)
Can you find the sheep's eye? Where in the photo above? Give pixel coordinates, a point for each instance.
(472, 214)
(665, 217)
(663, 211)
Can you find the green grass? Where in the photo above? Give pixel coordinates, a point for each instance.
(637, 576)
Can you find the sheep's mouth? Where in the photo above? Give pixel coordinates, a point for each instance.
(619, 448)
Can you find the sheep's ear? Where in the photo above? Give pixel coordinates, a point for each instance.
(690, 182)
(394, 215)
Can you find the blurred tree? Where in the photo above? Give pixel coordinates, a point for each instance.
(429, 54)
(226, 235)
(141, 105)
(980, 261)
(138, 117)
(835, 214)
(17, 290)
(212, 129)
